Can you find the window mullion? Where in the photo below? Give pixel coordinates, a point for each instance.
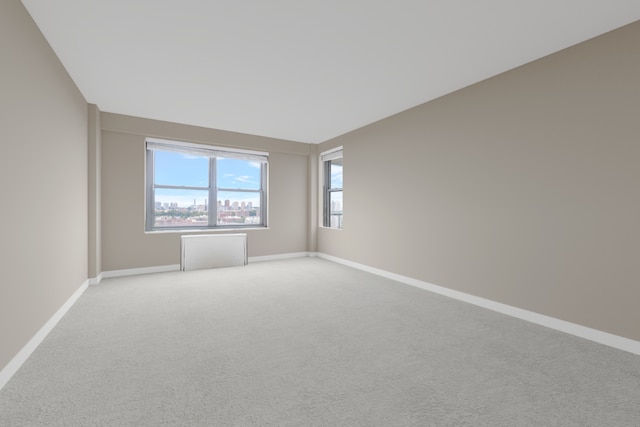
(327, 198)
(263, 197)
(240, 190)
(179, 187)
(151, 200)
(213, 194)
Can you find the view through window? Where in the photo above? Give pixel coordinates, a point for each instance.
(198, 186)
(332, 188)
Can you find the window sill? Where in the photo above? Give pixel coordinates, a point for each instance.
(206, 230)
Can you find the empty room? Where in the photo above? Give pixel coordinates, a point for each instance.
(361, 213)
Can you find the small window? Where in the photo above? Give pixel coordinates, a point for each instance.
(194, 186)
(332, 188)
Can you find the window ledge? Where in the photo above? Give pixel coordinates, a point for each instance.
(206, 230)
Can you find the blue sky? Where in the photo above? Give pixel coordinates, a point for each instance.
(187, 170)
(336, 176)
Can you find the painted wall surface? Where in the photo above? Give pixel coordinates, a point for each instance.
(94, 147)
(43, 170)
(522, 189)
(125, 244)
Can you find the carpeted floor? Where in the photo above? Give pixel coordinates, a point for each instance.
(307, 342)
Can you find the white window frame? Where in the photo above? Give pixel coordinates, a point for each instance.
(212, 152)
(325, 166)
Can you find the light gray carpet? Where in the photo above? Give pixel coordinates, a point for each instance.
(306, 342)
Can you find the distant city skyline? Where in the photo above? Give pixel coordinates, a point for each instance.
(184, 201)
(227, 212)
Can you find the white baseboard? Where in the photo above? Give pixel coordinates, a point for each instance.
(278, 256)
(176, 267)
(12, 367)
(141, 270)
(95, 280)
(595, 335)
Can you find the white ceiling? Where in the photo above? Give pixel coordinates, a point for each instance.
(302, 70)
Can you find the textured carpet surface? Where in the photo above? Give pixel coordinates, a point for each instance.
(306, 342)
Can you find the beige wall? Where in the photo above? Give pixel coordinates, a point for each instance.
(94, 146)
(125, 244)
(43, 170)
(522, 189)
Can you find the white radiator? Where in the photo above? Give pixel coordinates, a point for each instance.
(213, 250)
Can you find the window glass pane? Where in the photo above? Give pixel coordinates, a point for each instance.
(185, 201)
(238, 174)
(181, 169)
(336, 173)
(238, 207)
(335, 220)
(180, 208)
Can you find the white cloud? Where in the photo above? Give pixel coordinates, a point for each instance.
(245, 178)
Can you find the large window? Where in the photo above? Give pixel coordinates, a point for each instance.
(199, 186)
(332, 188)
